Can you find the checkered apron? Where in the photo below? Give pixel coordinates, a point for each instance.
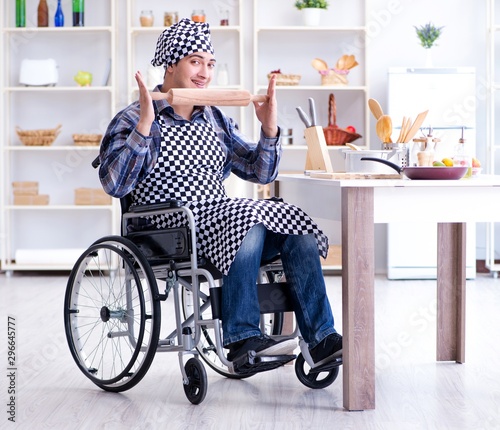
(190, 168)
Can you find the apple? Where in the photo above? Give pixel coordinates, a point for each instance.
(84, 79)
(350, 129)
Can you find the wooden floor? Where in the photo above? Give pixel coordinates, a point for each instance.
(413, 391)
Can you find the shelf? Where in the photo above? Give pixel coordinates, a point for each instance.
(160, 29)
(42, 30)
(315, 88)
(314, 29)
(51, 148)
(19, 89)
(59, 207)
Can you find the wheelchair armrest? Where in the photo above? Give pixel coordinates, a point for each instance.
(169, 204)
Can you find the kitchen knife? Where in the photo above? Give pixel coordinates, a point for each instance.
(312, 111)
(208, 97)
(303, 117)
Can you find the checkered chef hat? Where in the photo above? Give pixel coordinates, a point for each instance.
(180, 40)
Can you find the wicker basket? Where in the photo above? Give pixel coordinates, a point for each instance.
(38, 137)
(334, 135)
(87, 139)
(282, 79)
(333, 78)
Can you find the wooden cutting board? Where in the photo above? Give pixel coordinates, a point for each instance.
(345, 175)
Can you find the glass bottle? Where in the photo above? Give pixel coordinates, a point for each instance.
(43, 14)
(20, 13)
(222, 75)
(198, 15)
(78, 13)
(59, 16)
(461, 157)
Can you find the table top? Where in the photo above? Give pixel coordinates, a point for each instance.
(480, 181)
(403, 200)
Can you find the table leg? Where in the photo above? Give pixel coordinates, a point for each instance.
(451, 280)
(358, 265)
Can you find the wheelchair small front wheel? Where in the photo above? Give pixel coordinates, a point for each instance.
(196, 388)
(311, 378)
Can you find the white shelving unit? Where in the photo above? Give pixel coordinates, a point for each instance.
(227, 40)
(493, 99)
(281, 41)
(53, 235)
(292, 46)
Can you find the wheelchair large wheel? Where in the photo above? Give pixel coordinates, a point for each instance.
(207, 346)
(311, 378)
(112, 314)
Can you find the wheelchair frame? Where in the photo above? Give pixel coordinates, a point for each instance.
(112, 314)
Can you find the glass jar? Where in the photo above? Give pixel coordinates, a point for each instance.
(147, 18)
(198, 15)
(170, 18)
(224, 20)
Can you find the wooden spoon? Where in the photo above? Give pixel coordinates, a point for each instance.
(404, 129)
(353, 146)
(375, 108)
(351, 62)
(384, 128)
(319, 64)
(415, 126)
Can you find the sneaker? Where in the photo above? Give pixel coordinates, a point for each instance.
(263, 345)
(327, 350)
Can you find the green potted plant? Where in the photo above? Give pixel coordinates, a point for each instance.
(428, 34)
(311, 10)
(311, 4)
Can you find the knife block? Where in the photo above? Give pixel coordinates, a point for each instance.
(318, 157)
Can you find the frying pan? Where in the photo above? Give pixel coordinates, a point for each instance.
(424, 172)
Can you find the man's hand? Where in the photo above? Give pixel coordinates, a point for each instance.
(147, 114)
(267, 113)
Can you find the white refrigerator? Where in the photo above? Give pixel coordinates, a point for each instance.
(450, 96)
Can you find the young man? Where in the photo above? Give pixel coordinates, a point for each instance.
(156, 151)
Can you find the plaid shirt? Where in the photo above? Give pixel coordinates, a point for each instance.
(127, 157)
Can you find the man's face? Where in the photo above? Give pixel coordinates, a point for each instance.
(193, 71)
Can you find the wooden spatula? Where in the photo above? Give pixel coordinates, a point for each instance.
(415, 126)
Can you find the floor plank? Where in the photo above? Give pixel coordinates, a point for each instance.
(413, 391)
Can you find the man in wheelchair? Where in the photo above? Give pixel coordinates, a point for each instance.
(154, 151)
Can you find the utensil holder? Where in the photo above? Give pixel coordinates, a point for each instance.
(402, 156)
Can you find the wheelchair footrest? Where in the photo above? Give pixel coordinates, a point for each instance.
(251, 363)
(327, 366)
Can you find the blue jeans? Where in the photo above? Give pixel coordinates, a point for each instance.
(301, 263)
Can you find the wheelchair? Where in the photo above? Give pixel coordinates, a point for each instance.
(117, 289)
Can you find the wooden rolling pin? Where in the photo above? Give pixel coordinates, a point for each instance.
(208, 97)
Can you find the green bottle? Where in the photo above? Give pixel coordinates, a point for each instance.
(20, 13)
(78, 13)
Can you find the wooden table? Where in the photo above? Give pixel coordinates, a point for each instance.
(361, 203)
